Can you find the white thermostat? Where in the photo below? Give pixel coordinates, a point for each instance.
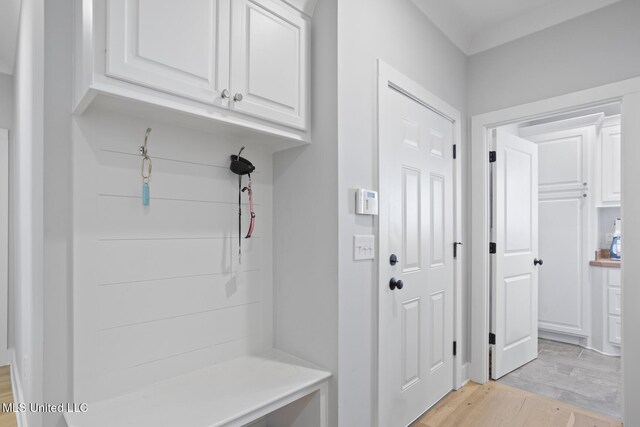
(366, 202)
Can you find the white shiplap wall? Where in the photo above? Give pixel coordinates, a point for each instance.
(158, 290)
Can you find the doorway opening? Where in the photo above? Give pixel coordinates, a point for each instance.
(554, 265)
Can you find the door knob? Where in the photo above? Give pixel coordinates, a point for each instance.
(238, 97)
(225, 94)
(537, 261)
(393, 259)
(395, 284)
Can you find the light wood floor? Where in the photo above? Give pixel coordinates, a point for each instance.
(7, 419)
(497, 405)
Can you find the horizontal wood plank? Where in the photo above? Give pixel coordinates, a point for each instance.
(135, 345)
(125, 218)
(137, 302)
(138, 260)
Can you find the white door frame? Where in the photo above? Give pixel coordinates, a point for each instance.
(388, 76)
(625, 91)
(4, 246)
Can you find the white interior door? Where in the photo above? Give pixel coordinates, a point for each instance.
(416, 225)
(514, 275)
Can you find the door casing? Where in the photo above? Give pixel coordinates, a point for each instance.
(390, 77)
(481, 126)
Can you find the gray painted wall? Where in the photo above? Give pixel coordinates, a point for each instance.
(398, 33)
(591, 50)
(57, 348)
(305, 222)
(6, 101)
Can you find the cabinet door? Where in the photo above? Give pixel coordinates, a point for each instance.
(610, 168)
(269, 61)
(179, 47)
(615, 330)
(563, 285)
(564, 159)
(615, 301)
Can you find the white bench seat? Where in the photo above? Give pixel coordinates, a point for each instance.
(232, 393)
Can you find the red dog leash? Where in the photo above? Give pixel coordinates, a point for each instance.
(253, 214)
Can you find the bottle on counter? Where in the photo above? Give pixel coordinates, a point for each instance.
(616, 243)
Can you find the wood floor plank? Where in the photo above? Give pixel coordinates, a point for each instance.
(449, 404)
(7, 419)
(498, 405)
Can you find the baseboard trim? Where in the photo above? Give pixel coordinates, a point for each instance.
(16, 388)
(464, 374)
(574, 340)
(462, 379)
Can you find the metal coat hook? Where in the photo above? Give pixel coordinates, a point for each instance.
(146, 169)
(143, 148)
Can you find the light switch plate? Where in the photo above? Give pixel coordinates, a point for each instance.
(364, 247)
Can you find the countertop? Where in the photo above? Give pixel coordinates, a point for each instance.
(603, 260)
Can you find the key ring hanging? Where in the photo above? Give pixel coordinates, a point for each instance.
(146, 169)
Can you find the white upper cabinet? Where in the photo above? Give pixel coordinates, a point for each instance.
(180, 48)
(241, 64)
(269, 65)
(610, 144)
(564, 159)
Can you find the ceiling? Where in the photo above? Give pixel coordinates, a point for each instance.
(9, 16)
(478, 25)
(473, 25)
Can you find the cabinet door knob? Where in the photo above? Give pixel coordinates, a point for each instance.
(238, 97)
(225, 94)
(537, 261)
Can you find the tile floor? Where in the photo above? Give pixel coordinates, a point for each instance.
(573, 375)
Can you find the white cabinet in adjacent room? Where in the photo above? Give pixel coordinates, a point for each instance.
(269, 65)
(607, 319)
(610, 160)
(563, 221)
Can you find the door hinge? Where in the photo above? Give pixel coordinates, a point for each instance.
(455, 154)
(493, 248)
(492, 156)
(455, 249)
(455, 348)
(492, 338)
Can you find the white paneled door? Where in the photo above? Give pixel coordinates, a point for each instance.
(416, 228)
(514, 308)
